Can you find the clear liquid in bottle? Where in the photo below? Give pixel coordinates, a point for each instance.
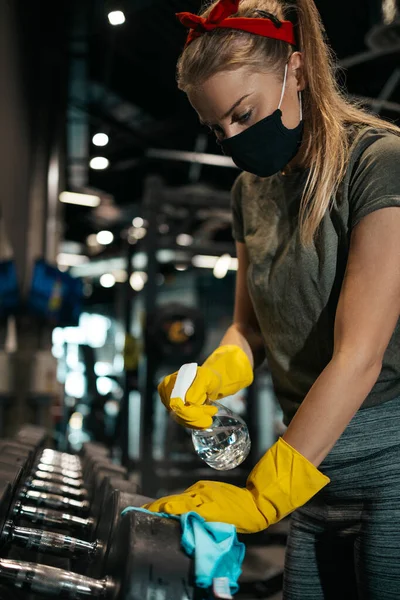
(226, 444)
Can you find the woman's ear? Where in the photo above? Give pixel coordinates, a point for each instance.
(297, 67)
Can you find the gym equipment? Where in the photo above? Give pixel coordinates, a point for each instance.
(48, 489)
(38, 492)
(18, 453)
(56, 544)
(12, 509)
(175, 333)
(145, 561)
(125, 556)
(33, 434)
(116, 502)
(48, 492)
(59, 520)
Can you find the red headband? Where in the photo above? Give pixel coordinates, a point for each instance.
(219, 19)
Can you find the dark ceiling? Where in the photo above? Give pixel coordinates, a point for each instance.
(131, 93)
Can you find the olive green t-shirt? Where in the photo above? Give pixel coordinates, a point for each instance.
(295, 290)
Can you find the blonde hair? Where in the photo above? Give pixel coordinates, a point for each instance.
(327, 112)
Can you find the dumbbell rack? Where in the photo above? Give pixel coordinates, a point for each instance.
(44, 541)
(135, 556)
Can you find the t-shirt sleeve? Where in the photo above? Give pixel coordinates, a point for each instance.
(237, 213)
(375, 181)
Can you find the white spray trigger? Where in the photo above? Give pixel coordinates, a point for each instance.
(186, 376)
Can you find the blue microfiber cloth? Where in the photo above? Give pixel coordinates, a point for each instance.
(216, 551)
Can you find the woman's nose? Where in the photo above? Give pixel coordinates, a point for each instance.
(231, 130)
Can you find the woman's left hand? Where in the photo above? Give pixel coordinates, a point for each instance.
(218, 502)
(282, 481)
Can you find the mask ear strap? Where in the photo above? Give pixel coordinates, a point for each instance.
(284, 86)
(283, 93)
(301, 105)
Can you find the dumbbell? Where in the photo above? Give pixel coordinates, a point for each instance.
(39, 436)
(95, 480)
(17, 449)
(15, 474)
(61, 461)
(33, 434)
(29, 452)
(145, 560)
(37, 490)
(89, 557)
(56, 519)
(46, 504)
(91, 554)
(41, 496)
(45, 488)
(36, 437)
(51, 471)
(46, 518)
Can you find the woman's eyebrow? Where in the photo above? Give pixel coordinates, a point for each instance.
(230, 111)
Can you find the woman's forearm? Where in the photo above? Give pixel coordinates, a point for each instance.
(248, 340)
(329, 406)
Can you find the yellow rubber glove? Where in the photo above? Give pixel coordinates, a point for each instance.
(225, 372)
(282, 481)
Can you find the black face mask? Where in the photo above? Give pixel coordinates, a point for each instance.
(268, 146)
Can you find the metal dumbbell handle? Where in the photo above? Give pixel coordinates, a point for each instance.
(53, 518)
(57, 478)
(58, 471)
(54, 488)
(60, 464)
(54, 501)
(51, 543)
(50, 457)
(54, 583)
(60, 455)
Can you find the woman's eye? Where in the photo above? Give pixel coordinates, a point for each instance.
(244, 118)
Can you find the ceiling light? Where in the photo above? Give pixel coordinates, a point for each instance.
(120, 276)
(92, 240)
(116, 17)
(202, 261)
(100, 139)
(222, 266)
(181, 267)
(99, 163)
(137, 233)
(71, 260)
(70, 247)
(107, 280)
(79, 199)
(102, 369)
(138, 281)
(105, 238)
(184, 240)
(138, 222)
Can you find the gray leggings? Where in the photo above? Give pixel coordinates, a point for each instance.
(345, 543)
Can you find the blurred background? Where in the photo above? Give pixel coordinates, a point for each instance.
(117, 259)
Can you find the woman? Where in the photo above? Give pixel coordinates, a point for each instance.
(317, 222)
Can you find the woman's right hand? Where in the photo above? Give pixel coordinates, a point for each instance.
(224, 373)
(190, 411)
